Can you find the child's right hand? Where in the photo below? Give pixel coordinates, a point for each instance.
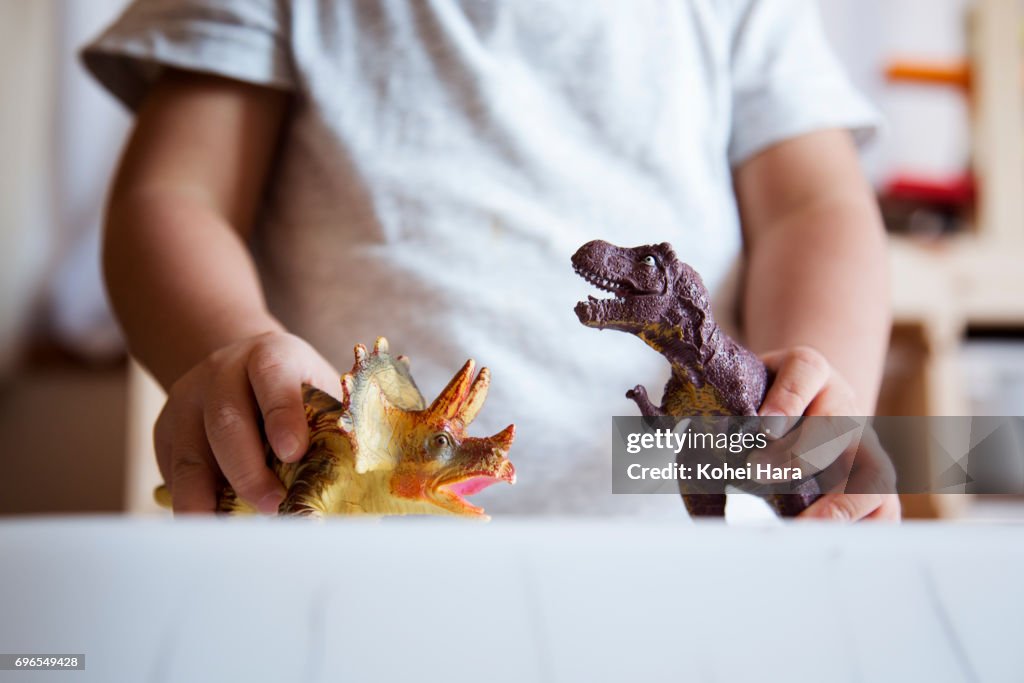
(208, 427)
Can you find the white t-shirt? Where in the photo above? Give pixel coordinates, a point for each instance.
(444, 158)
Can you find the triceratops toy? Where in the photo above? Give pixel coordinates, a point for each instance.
(382, 450)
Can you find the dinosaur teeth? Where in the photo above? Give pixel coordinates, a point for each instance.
(598, 280)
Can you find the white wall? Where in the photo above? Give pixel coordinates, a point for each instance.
(90, 130)
(26, 62)
(60, 136)
(928, 128)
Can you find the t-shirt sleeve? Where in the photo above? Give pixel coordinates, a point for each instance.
(786, 81)
(246, 40)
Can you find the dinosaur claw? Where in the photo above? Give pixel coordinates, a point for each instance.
(381, 346)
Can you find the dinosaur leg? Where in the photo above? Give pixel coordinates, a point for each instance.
(647, 409)
(705, 504)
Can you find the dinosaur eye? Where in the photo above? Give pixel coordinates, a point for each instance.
(441, 441)
(649, 260)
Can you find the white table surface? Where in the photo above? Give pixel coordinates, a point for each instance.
(544, 600)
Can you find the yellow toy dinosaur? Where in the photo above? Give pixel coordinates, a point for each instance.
(383, 451)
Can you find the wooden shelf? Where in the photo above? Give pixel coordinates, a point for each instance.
(958, 282)
(999, 118)
(939, 290)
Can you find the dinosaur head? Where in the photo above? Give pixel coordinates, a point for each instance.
(427, 461)
(441, 464)
(640, 279)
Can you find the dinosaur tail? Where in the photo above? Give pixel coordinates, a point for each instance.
(162, 496)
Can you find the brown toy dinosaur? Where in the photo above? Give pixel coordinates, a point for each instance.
(664, 302)
(383, 451)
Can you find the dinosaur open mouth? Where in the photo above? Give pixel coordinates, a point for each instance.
(595, 312)
(606, 283)
(475, 482)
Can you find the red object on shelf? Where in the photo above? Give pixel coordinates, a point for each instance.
(957, 192)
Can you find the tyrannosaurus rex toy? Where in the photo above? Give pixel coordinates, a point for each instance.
(664, 302)
(382, 450)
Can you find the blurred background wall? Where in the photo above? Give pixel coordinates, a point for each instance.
(62, 374)
(25, 136)
(946, 74)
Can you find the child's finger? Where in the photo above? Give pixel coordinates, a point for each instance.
(844, 507)
(799, 375)
(872, 480)
(278, 390)
(163, 431)
(835, 399)
(229, 416)
(889, 511)
(192, 480)
(194, 489)
(872, 471)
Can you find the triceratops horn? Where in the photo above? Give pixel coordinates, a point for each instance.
(449, 402)
(476, 397)
(505, 437)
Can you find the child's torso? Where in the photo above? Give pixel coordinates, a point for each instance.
(446, 157)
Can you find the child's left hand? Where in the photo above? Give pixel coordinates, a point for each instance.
(806, 384)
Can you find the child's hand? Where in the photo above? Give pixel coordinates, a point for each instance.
(806, 384)
(209, 424)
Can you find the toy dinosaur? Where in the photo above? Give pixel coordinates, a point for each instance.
(382, 451)
(664, 302)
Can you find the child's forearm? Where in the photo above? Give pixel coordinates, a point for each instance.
(180, 279)
(178, 272)
(185, 288)
(821, 279)
(817, 272)
(817, 276)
